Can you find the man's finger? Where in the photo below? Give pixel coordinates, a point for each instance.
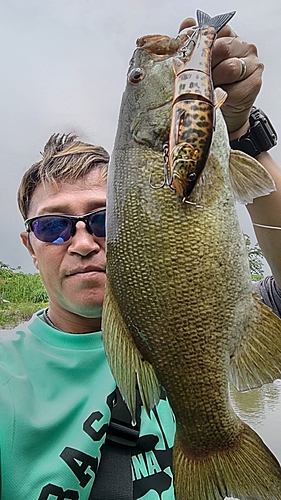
(230, 71)
(187, 23)
(227, 31)
(228, 47)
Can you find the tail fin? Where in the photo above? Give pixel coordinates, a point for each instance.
(218, 22)
(246, 470)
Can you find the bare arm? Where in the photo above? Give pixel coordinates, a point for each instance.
(267, 211)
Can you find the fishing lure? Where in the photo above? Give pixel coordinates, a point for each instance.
(193, 108)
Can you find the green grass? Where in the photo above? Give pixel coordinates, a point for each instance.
(11, 314)
(20, 296)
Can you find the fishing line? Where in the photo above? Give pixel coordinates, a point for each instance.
(267, 227)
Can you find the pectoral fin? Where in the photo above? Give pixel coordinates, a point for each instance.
(248, 177)
(125, 361)
(257, 360)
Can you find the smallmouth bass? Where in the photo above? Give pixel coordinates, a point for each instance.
(179, 309)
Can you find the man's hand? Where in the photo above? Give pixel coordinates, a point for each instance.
(227, 68)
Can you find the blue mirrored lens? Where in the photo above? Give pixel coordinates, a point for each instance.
(52, 229)
(96, 224)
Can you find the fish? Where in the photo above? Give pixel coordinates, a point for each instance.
(162, 45)
(179, 312)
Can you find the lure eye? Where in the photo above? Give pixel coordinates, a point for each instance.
(192, 176)
(136, 75)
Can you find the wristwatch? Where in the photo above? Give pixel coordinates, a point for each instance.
(260, 137)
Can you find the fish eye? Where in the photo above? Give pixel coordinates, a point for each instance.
(136, 75)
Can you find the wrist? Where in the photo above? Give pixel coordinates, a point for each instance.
(260, 136)
(236, 134)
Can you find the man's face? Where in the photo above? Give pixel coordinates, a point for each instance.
(73, 272)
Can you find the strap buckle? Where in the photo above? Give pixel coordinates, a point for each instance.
(120, 428)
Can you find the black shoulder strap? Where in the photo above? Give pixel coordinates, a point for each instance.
(114, 475)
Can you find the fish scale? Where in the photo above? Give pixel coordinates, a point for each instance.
(179, 311)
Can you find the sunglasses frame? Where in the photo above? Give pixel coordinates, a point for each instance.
(73, 218)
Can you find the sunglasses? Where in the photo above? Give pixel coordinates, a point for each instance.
(60, 228)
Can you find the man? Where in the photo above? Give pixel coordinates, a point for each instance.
(56, 390)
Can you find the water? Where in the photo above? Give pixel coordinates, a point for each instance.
(261, 409)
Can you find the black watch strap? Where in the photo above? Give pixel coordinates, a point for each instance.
(260, 137)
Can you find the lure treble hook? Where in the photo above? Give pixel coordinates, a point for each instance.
(165, 173)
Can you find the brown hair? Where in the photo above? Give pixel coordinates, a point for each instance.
(63, 159)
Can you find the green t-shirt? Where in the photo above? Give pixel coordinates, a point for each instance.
(55, 389)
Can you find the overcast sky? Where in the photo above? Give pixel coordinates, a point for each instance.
(63, 67)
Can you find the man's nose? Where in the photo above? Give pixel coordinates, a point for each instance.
(83, 242)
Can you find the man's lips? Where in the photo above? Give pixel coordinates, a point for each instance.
(85, 270)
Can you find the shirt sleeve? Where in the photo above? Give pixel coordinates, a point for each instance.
(270, 293)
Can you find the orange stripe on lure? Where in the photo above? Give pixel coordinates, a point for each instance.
(194, 104)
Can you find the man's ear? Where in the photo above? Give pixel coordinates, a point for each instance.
(25, 238)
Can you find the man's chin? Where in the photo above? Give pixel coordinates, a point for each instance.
(94, 312)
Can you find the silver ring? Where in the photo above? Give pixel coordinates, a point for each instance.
(243, 69)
